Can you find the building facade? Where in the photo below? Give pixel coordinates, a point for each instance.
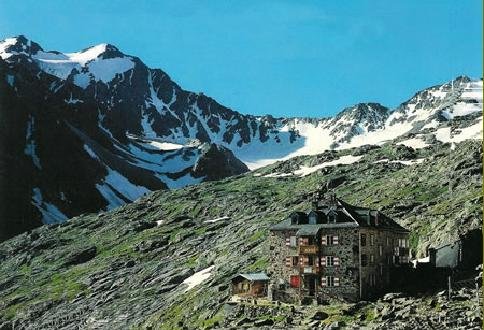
(337, 250)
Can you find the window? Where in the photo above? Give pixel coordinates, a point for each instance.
(372, 279)
(388, 241)
(295, 261)
(313, 218)
(304, 241)
(372, 239)
(372, 259)
(288, 261)
(380, 249)
(330, 240)
(294, 281)
(364, 260)
(330, 261)
(291, 241)
(310, 260)
(332, 216)
(403, 243)
(363, 239)
(329, 281)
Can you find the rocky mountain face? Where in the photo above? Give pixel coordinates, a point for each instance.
(69, 143)
(89, 131)
(165, 261)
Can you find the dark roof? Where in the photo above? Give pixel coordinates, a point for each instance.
(286, 225)
(308, 230)
(345, 215)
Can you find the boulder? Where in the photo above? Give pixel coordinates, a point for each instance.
(335, 182)
(265, 322)
(392, 295)
(139, 226)
(243, 321)
(319, 315)
(81, 256)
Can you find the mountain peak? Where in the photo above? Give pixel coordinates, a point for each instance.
(21, 45)
(360, 110)
(18, 45)
(103, 50)
(95, 63)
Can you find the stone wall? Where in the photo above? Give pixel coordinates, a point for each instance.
(382, 262)
(347, 271)
(278, 272)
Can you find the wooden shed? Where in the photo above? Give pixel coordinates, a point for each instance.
(250, 285)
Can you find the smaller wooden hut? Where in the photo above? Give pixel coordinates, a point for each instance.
(250, 285)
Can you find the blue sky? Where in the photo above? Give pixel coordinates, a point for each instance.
(286, 58)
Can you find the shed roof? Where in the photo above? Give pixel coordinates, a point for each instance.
(255, 276)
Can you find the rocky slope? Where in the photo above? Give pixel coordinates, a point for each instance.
(393, 311)
(89, 131)
(165, 261)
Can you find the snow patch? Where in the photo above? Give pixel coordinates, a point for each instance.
(72, 100)
(90, 152)
(473, 132)
(30, 145)
(89, 54)
(348, 159)
(277, 175)
(106, 69)
(197, 278)
(4, 45)
(87, 64)
(415, 143)
(404, 162)
(10, 80)
(114, 183)
(217, 219)
(109, 196)
(50, 213)
(165, 145)
(463, 109)
(123, 185)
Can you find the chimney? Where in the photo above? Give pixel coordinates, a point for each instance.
(314, 205)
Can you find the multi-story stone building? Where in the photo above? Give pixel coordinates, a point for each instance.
(337, 250)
